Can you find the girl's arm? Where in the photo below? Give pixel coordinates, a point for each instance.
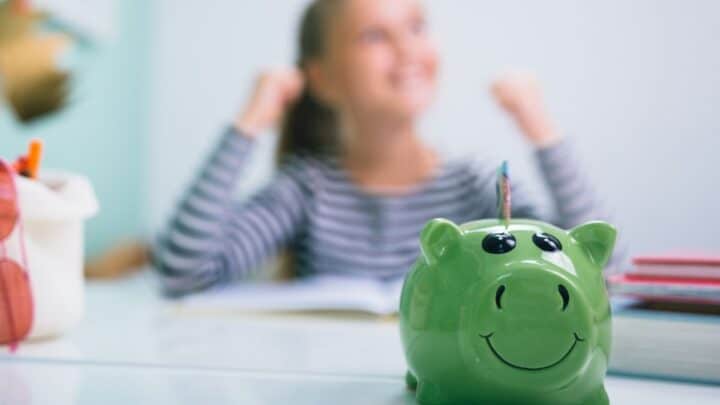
(573, 195)
(210, 240)
(574, 198)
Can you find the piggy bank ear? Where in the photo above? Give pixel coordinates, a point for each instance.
(437, 236)
(598, 239)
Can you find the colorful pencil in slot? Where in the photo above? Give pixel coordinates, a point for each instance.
(503, 193)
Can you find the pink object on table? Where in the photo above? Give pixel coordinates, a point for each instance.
(16, 303)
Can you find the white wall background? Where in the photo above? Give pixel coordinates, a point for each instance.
(635, 83)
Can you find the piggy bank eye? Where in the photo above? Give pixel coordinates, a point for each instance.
(498, 243)
(547, 242)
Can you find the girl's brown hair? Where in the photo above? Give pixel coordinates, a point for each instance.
(309, 125)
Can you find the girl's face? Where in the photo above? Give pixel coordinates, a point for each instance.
(380, 59)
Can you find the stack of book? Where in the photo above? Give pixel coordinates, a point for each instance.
(671, 278)
(666, 318)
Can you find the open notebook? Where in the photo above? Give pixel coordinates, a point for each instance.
(318, 293)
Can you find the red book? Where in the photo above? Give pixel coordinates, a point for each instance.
(680, 265)
(679, 289)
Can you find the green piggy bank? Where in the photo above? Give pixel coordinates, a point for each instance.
(491, 314)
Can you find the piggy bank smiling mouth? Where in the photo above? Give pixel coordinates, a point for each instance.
(577, 339)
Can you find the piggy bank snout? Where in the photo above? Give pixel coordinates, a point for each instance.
(535, 291)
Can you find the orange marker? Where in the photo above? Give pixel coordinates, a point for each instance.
(33, 158)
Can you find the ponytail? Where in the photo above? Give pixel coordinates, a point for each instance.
(311, 127)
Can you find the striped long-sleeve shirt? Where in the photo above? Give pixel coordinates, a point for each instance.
(332, 225)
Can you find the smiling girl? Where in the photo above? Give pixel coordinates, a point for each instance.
(355, 182)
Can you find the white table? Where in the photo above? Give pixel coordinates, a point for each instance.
(135, 348)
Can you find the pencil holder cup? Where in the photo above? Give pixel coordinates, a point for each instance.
(49, 236)
(508, 313)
